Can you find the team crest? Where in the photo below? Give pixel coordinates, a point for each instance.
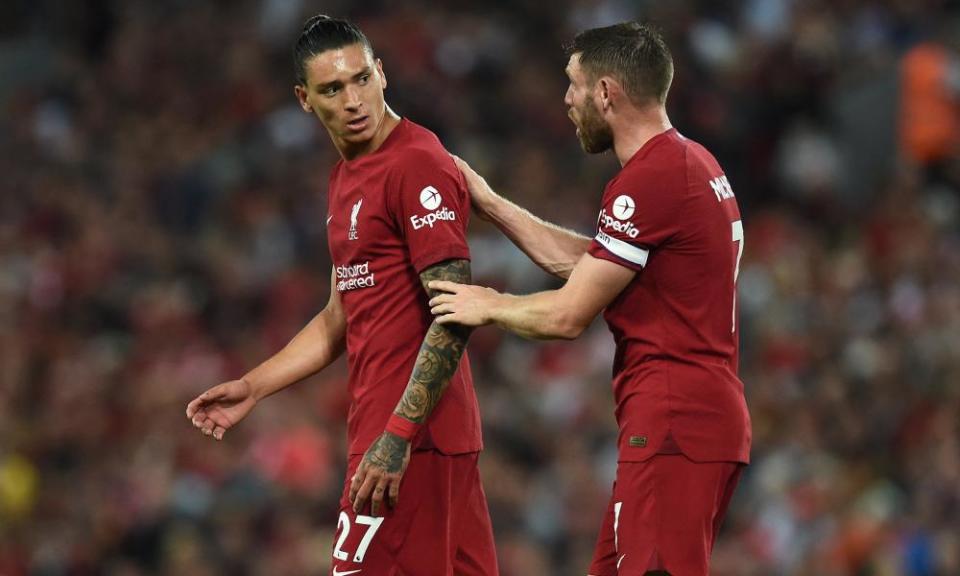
(352, 234)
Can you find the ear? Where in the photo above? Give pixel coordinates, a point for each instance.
(606, 88)
(301, 93)
(383, 77)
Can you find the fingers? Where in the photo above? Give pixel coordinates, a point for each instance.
(204, 424)
(215, 393)
(394, 493)
(363, 494)
(193, 407)
(378, 492)
(444, 285)
(357, 481)
(442, 298)
(213, 423)
(441, 309)
(446, 319)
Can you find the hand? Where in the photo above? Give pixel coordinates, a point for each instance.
(462, 303)
(380, 473)
(221, 407)
(481, 195)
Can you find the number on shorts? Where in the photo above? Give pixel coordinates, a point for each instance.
(343, 526)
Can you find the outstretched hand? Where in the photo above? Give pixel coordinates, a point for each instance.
(462, 303)
(221, 407)
(379, 473)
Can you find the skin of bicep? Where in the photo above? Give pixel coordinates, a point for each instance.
(440, 352)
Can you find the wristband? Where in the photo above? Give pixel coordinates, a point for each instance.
(400, 426)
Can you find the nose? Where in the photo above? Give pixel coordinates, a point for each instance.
(568, 97)
(352, 98)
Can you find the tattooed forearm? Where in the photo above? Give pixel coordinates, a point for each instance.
(440, 352)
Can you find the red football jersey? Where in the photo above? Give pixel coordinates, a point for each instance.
(671, 215)
(392, 214)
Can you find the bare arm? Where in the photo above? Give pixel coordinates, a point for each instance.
(385, 461)
(318, 344)
(314, 348)
(553, 248)
(562, 313)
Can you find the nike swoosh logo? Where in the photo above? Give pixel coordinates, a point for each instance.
(618, 562)
(329, 218)
(338, 573)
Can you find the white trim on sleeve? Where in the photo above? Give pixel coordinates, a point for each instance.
(626, 251)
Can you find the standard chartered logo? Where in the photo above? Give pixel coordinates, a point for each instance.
(354, 276)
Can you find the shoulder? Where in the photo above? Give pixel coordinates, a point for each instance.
(422, 156)
(421, 147)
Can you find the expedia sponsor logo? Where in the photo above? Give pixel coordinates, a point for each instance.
(607, 221)
(354, 276)
(443, 214)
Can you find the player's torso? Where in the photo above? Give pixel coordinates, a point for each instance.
(371, 264)
(380, 222)
(681, 305)
(675, 323)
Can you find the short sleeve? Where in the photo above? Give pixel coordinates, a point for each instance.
(432, 206)
(634, 220)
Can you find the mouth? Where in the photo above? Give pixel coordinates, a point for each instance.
(358, 124)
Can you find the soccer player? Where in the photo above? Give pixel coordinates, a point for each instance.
(663, 266)
(398, 209)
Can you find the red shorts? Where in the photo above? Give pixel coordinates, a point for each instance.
(440, 526)
(665, 514)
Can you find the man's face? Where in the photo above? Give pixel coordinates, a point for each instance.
(344, 88)
(592, 130)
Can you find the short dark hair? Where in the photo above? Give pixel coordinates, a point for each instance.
(632, 52)
(321, 33)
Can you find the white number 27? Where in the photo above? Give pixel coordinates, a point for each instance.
(373, 524)
(738, 239)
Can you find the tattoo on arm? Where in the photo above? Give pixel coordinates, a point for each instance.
(440, 352)
(436, 363)
(387, 452)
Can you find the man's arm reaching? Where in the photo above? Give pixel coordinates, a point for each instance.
(553, 248)
(318, 344)
(562, 313)
(386, 459)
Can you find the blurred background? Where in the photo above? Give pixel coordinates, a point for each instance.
(162, 203)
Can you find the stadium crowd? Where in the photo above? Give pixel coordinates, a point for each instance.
(162, 229)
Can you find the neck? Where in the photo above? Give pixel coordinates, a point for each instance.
(353, 150)
(635, 128)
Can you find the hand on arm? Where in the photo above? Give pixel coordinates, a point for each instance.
(318, 344)
(384, 463)
(551, 247)
(562, 313)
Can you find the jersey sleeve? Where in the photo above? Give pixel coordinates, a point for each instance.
(431, 206)
(635, 218)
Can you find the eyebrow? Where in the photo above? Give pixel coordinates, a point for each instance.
(337, 83)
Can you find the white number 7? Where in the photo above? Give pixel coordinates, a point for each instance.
(373, 524)
(738, 238)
